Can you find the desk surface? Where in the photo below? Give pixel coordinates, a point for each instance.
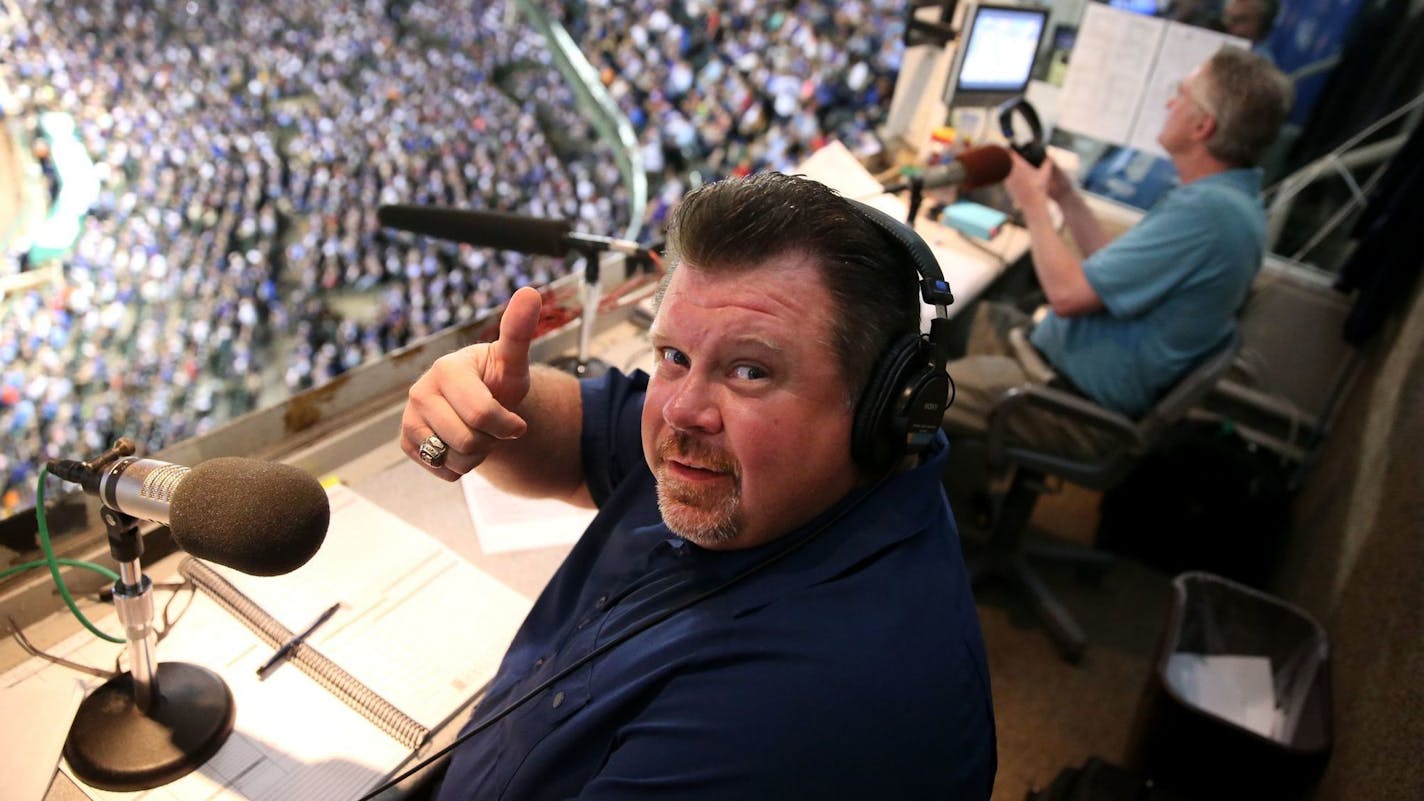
(972, 265)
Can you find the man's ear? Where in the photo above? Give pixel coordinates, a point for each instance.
(1205, 128)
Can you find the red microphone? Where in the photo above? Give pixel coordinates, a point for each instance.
(975, 167)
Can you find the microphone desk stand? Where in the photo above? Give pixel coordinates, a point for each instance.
(158, 721)
(917, 197)
(583, 365)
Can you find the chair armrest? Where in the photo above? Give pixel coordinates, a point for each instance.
(1028, 356)
(1270, 404)
(1035, 399)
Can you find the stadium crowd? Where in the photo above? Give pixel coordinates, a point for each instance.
(733, 87)
(244, 148)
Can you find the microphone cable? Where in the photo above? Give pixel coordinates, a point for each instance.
(626, 636)
(53, 563)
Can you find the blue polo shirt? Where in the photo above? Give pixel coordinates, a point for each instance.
(1171, 287)
(853, 667)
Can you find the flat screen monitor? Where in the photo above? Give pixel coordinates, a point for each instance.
(997, 54)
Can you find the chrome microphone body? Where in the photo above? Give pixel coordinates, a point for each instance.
(142, 488)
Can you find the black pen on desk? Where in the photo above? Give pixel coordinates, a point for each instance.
(291, 645)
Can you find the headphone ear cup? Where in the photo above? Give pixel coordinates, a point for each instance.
(1032, 152)
(902, 405)
(879, 433)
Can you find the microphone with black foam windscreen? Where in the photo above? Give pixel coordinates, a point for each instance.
(261, 518)
(538, 236)
(158, 721)
(974, 168)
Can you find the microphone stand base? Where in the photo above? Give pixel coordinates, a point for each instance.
(581, 368)
(113, 745)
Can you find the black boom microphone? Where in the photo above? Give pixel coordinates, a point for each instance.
(534, 235)
(538, 236)
(261, 518)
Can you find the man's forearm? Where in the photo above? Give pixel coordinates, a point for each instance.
(1059, 271)
(546, 461)
(1087, 232)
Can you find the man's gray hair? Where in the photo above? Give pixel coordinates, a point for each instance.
(1251, 99)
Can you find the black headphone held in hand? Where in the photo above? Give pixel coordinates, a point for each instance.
(1033, 150)
(902, 405)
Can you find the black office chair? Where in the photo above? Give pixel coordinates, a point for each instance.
(1006, 552)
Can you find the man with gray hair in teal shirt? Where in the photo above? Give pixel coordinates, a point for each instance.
(1132, 315)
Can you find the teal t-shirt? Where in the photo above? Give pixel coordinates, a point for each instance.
(1171, 287)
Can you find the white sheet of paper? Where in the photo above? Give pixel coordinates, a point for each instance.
(1236, 688)
(37, 713)
(1112, 59)
(419, 625)
(835, 166)
(505, 522)
(1124, 68)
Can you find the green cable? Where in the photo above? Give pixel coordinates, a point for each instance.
(54, 562)
(97, 568)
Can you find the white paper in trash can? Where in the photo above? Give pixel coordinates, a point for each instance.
(1236, 688)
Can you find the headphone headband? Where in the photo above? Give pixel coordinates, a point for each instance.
(1032, 150)
(902, 406)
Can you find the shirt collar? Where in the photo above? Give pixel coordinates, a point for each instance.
(1242, 179)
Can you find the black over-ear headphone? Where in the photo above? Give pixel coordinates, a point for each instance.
(1032, 150)
(902, 406)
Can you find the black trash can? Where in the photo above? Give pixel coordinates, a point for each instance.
(1238, 704)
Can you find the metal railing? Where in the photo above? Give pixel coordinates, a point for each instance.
(1340, 162)
(603, 112)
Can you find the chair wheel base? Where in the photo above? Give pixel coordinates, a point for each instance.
(1058, 622)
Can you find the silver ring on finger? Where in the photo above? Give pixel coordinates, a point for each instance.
(432, 451)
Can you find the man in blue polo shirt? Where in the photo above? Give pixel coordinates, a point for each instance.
(1134, 314)
(755, 613)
